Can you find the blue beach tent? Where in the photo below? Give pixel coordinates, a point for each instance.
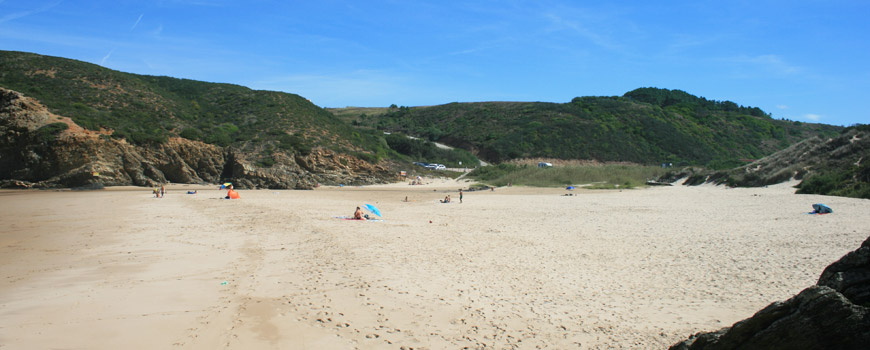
(821, 209)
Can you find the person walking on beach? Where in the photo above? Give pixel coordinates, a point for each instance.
(460, 196)
(162, 191)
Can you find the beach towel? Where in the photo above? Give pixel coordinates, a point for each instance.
(352, 219)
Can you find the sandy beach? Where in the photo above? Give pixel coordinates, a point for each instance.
(515, 268)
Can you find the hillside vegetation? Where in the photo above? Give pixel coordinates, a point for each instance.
(647, 126)
(149, 109)
(830, 166)
(263, 134)
(611, 176)
(144, 109)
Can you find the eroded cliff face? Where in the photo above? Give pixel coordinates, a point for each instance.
(36, 154)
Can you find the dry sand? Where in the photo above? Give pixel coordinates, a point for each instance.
(517, 268)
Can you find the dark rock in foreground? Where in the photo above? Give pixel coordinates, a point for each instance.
(834, 314)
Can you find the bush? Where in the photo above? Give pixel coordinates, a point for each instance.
(371, 158)
(848, 183)
(294, 142)
(219, 139)
(819, 184)
(191, 134)
(266, 162)
(49, 132)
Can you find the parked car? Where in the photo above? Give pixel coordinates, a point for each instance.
(544, 165)
(440, 167)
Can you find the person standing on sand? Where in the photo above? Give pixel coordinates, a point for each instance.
(162, 191)
(460, 196)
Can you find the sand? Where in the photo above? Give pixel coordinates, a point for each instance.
(520, 268)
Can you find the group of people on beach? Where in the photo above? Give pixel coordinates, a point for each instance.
(159, 192)
(447, 199)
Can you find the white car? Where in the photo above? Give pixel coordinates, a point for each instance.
(440, 167)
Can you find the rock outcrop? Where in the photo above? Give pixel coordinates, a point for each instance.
(39, 149)
(833, 314)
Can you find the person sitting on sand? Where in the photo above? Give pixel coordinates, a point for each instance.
(358, 215)
(232, 194)
(446, 199)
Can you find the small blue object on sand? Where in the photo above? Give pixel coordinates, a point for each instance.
(819, 208)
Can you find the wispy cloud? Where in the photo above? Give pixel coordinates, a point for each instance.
(21, 14)
(201, 3)
(813, 117)
(137, 22)
(576, 26)
(331, 89)
(781, 106)
(773, 63)
(106, 57)
(158, 30)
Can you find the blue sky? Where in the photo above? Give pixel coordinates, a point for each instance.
(800, 60)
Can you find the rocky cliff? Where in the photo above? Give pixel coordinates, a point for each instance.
(39, 149)
(833, 314)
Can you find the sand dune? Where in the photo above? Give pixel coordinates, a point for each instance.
(520, 268)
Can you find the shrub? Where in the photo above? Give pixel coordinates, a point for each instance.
(191, 134)
(371, 158)
(49, 132)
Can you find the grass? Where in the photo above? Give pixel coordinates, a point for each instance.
(603, 176)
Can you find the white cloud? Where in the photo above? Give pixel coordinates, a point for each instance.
(17, 15)
(813, 117)
(137, 22)
(158, 31)
(559, 22)
(782, 106)
(106, 57)
(354, 88)
(773, 63)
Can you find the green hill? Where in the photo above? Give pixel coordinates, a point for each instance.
(144, 108)
(255, 138)
(259, 129)
(647, 126)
